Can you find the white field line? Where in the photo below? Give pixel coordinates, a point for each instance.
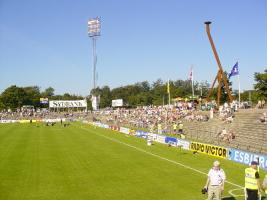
(235, 195)
(155, 155)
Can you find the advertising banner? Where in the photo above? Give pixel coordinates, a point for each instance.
(43, 100)
(160, 139)
(8, 121)
(141, 134)
(117, 103)
(170, 140)
(246, 157)
(124, 130)
(68, 104)
(153, 136)
(209, 149)
(183, 143)
(54, 120)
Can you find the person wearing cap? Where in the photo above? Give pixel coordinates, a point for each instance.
(252, 181)
(215, 181)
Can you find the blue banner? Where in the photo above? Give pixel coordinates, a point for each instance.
(141, 134)
(171, 141)
(246, 157)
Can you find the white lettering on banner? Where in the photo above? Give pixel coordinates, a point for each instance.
(68, 104)
(247, 157)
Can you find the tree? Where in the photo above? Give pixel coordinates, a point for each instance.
(49, 92)
(105, 97)
(261, 85)
(33, 95)
(14, 97)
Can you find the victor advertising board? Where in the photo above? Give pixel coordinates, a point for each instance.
(208, 149)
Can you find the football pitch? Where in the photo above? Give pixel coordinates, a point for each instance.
(81, 162)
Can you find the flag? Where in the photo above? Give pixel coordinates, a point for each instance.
(168, 87)
(234, 71)
(191, 74)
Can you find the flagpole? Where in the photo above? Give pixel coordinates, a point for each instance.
(238, 90)
(169, 92)
(192, 82)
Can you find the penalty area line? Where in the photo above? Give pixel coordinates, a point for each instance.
(154, 155)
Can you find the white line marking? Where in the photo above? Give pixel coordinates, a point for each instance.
(236, 195)
(155, 155)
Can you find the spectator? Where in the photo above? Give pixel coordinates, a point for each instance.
(215, 182)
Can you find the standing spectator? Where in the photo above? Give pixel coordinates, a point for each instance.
(263, 103)
(215, 182)
(174, 128)
(264, 185)
(180, 128)
(159, 128)
(211, 113)
(252, 181)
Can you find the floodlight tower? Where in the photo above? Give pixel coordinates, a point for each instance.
(93, 32)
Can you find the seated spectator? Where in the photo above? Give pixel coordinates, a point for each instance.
(263, 118)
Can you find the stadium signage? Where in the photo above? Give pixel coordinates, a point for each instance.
(124, 130)
(183, 143)
(171, 141)
(44, 100)
(160, 139)
(68, 104)
(209, 149)
(8, 121)
(246, 157)
(141, 134)
(117, 103)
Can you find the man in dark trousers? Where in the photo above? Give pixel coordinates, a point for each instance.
(252, 181)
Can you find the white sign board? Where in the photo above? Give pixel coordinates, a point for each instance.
(95, 102)
(117, 103)
(68, 104)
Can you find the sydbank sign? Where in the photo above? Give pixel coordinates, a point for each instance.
(68, 104)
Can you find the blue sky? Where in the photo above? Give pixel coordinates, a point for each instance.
(45, 42)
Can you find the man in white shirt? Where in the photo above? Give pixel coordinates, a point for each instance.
(215, 182)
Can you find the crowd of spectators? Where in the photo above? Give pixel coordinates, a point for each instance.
(28, 114)
(226, 111)
(151, 116)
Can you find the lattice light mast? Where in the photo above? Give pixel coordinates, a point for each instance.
(94, 26)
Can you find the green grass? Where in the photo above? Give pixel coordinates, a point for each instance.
(80, 162)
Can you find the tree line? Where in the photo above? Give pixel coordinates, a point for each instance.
(138, 94)
(144, 93)
(15, 97)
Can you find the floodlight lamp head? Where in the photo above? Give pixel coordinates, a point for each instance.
(207, 22)
(94, 27)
